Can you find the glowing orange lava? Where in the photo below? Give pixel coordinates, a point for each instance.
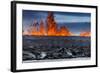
(85, 34)
(51, 28)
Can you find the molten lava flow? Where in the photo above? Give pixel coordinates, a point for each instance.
(51, 25)
(85, 34)
(42, 29)
(48, 29)
(64, 31)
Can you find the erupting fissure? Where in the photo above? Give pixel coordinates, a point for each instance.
(85, 34)
(49, 28)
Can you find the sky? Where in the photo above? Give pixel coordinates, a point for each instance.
(75, 22)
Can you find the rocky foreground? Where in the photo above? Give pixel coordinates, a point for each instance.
(49, 48)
